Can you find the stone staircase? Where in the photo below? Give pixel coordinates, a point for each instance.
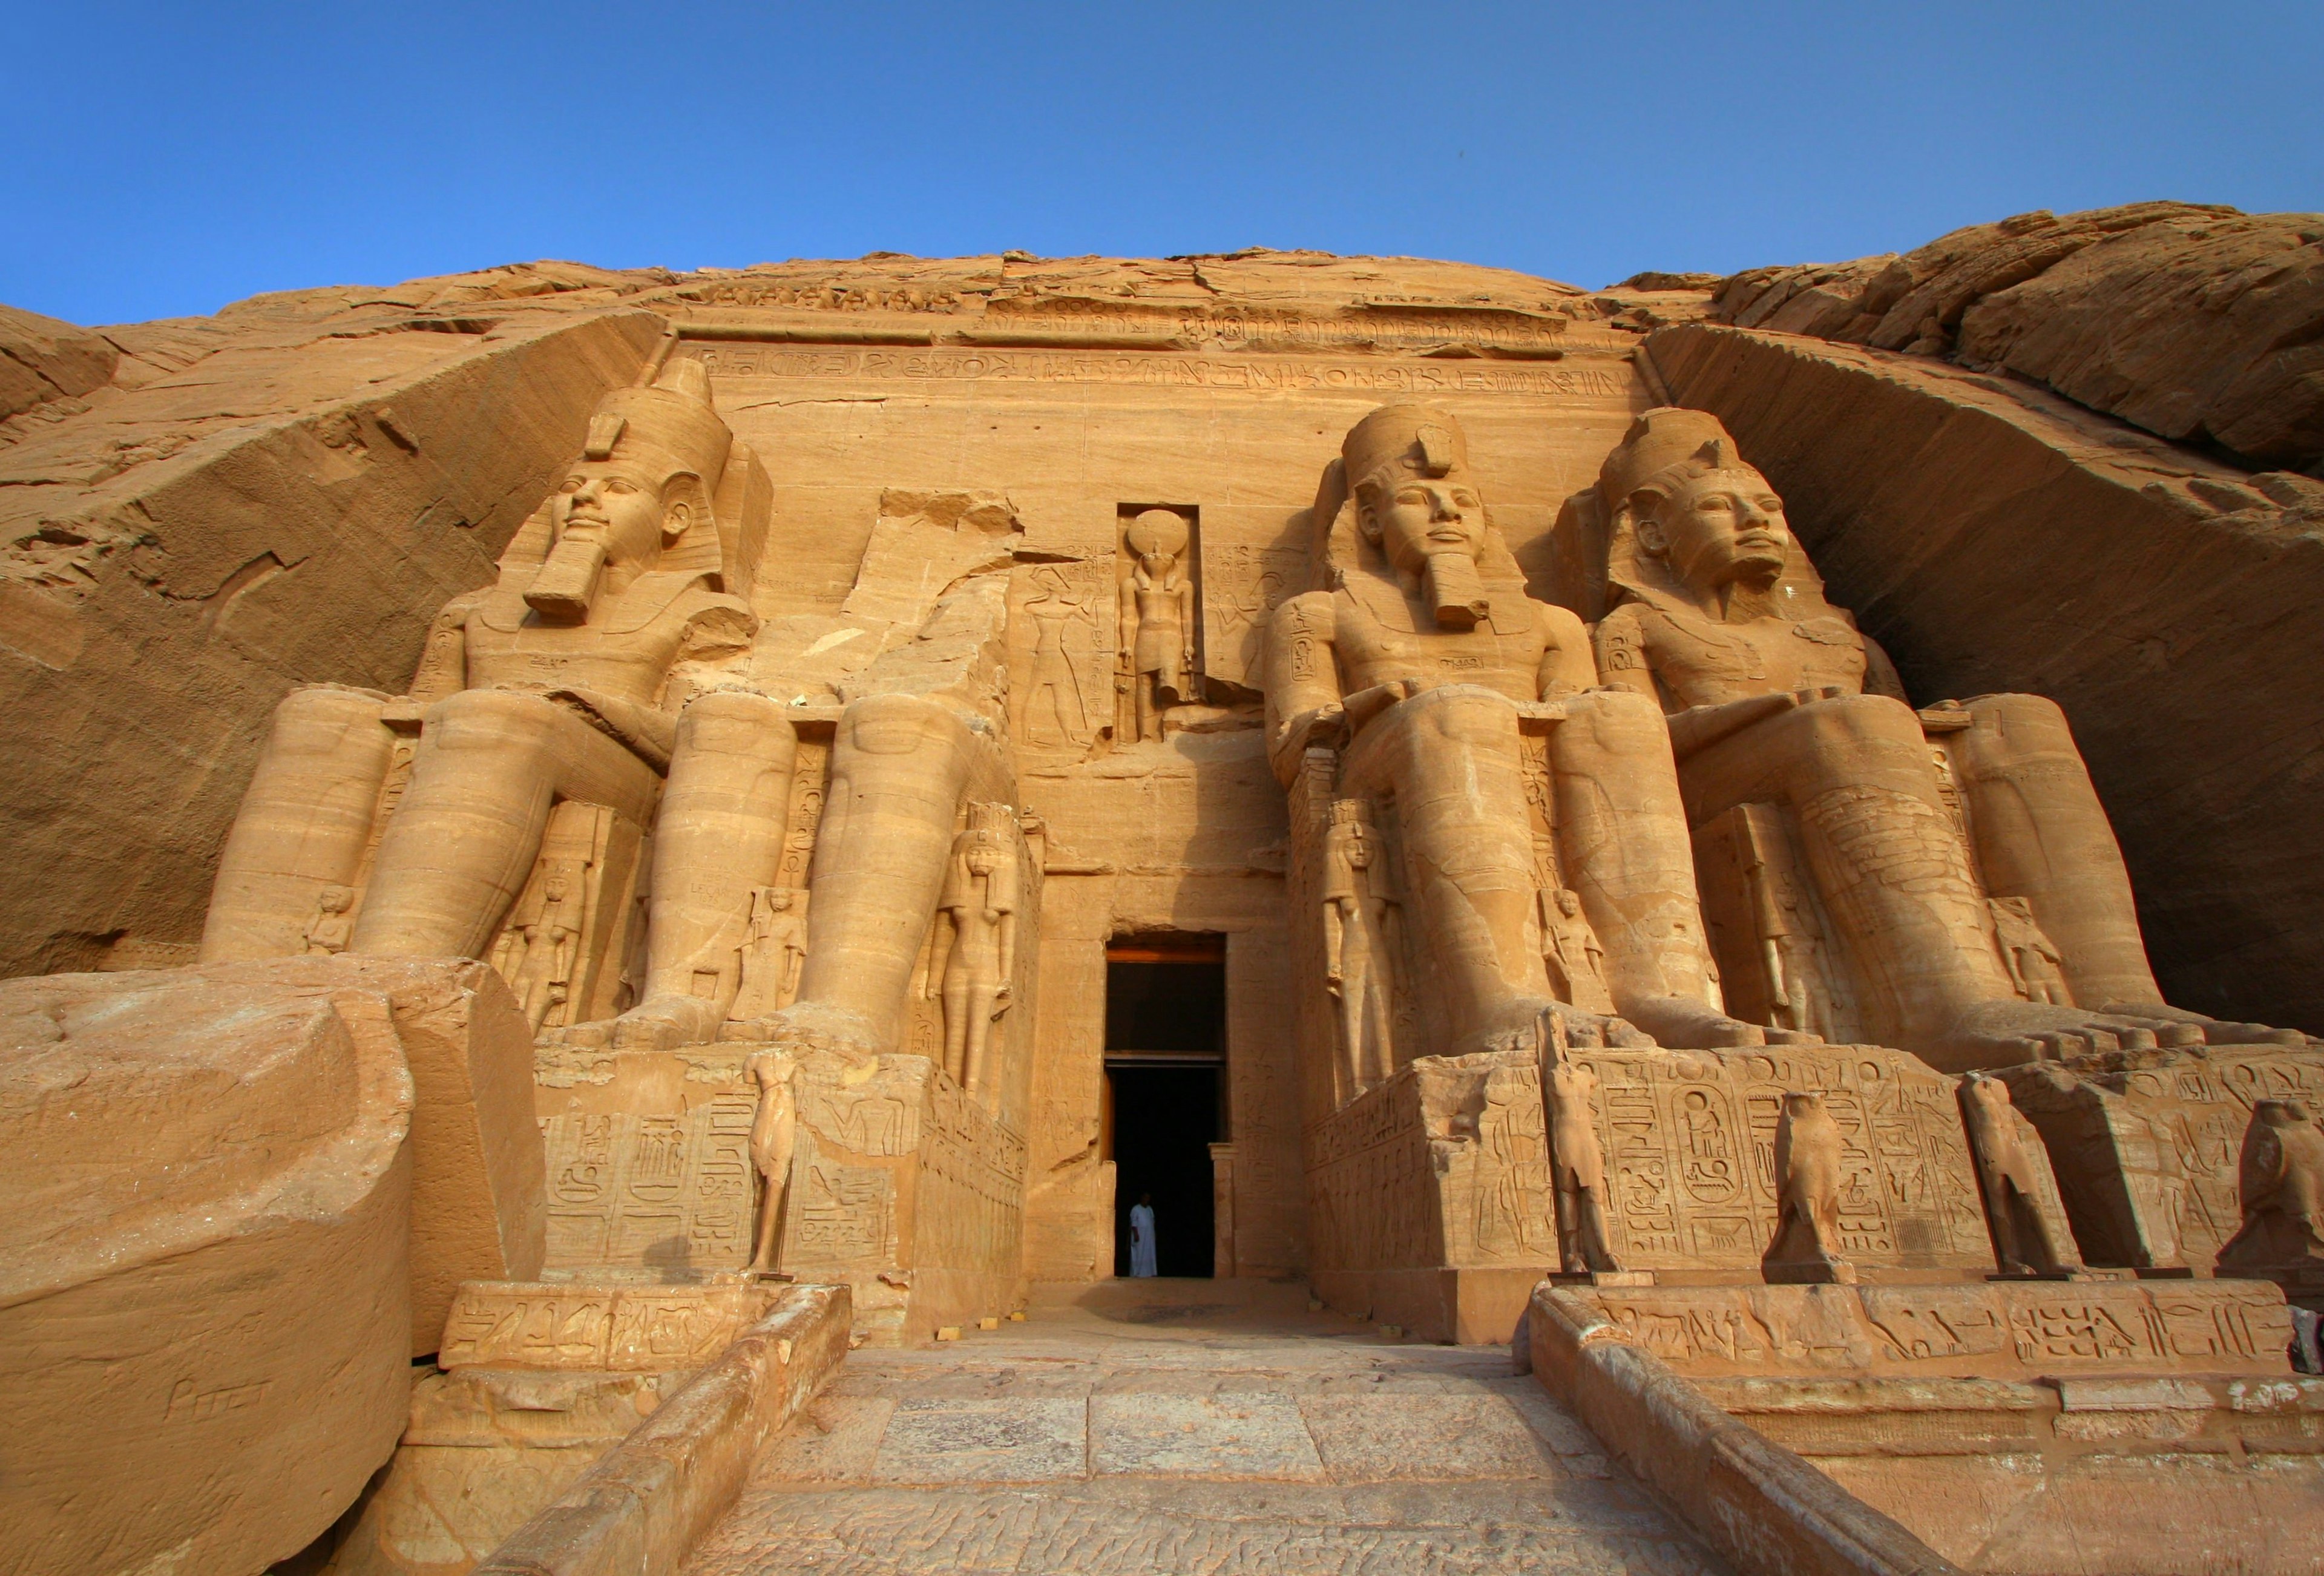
(1195, 1428)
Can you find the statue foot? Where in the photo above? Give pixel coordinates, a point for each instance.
(2214, 1031)
(1590, 1031)
(1685, 1024)
(668, 1022)
(2002, 1033)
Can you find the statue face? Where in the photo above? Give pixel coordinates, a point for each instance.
(606, 502)
(1718, 527)
(1415, 518)
(1569, 904)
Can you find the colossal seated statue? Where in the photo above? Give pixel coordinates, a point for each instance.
(1867, 853)
(601, 675)
(1465, 716)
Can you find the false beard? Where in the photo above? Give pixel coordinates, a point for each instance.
(1456, 591)
(567, 583)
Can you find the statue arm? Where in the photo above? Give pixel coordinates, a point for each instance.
(1302, 679)
(1568, 666)
(443, 668)
(1880, 676)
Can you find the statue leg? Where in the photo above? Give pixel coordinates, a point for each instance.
(464, 839)
(973, 1059)
(955, 1016)
(1622, 835)
(1451, 757)
(719, 833)
(303, 823)
(897, 771)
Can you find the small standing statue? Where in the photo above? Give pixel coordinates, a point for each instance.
(2280, 1179)
(1359, 935)
(1808, 1159)
(1577, 1163)
(1158, 619)
(978, 964)
(333, 925)
(2036, 967)
(773, 949)
(1570, 952)
(774, 1134)
(2006, 1176)
(544, 978)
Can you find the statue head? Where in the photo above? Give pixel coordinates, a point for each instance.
(644, 481)
(1157, 536)
(777, 899)
(334, 899)
(1677, 490)
(1985, 1090)
(1406, 466)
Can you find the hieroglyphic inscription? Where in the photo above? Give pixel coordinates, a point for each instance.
(968, 1198)
(1163, 370)
(1690, 1149)
(625, 1329)
(1243, 584)
(1370, 1194)
(669, 1189)
(1983, 1329)
(810, 776)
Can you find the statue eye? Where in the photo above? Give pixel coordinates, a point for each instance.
(618, 486)
(572, 485)
(1465, 500)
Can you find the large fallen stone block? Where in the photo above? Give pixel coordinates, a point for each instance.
(203, 1269)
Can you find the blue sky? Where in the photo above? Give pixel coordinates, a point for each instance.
(165, 160)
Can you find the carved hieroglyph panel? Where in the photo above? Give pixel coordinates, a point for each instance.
(1689, 1155)
(625, 1329)
(2146, 1157)
(668, 1190)
(1242, 585)
(1986, 1330)
(1371, 1192)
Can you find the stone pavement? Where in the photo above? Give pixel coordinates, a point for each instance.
(1159, 1433)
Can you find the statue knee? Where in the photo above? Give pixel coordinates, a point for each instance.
(899, 725)
(1617, 722)
(734, 723)
(489, 721)
(318, 715)
(2020, 723)
(1864, 727)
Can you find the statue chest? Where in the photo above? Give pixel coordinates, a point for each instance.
(631, 666)
(1704, 663)
(1373, 653)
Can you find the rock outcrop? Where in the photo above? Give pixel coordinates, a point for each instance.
(2197, 323)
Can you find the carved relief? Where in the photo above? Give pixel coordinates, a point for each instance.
(561, 949)
(1242, 586)
(975, 962)
(1061, 647)
(2280, 1180)
(670, 1190)
(1156, 665)
(1362, 939)
(774, 948)
(2146, 1146)
(2001, 1329)
(2013, 1176)
(621, 1328)
(1767, 926)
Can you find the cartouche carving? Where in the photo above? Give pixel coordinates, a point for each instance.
(1810, 1155)
(1774, 697)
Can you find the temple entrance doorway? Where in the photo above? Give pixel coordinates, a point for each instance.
(1165, 1039)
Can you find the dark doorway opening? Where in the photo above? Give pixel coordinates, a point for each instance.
(1165, 1020)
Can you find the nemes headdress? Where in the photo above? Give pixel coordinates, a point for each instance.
(1411, 439)
(663, 427)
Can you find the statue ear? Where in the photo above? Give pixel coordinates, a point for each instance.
(684, 503)
(1367, 500)
(1637, 511)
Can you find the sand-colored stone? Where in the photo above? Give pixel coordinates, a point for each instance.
(2010, 541)
(2192, 321)
(205, 1286)
(848, 661)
